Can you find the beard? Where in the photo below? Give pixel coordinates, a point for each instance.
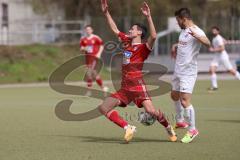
(182, 27)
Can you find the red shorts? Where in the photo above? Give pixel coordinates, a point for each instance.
(127, 96)
(91, 61)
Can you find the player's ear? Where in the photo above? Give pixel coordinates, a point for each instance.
(184, 19)
(140, 32)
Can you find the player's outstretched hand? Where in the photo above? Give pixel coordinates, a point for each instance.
(145, 9)
(211, 49)
(104, 6)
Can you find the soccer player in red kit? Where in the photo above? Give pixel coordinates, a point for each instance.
(92, 46)
(132, 86)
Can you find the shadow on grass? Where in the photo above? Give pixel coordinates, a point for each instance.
(224, 121)
(95, 139)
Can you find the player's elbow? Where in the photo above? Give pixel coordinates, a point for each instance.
(115, 31)
(222, 49)
(154, 36)
(208, 44)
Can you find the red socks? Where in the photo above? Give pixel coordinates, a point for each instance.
(114, 117)
(161, 119)
(89, 83)
(99, 81)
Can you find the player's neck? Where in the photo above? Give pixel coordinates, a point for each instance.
(136, 40)
(89, 35)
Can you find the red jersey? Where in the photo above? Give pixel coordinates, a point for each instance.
(133, 61)
(92, 44)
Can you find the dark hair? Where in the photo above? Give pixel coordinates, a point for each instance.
(88, 25)
(142, 28)
(217, 28)
(183, 13)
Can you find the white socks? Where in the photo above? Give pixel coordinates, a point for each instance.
(190, 117)
(179, 110)
(237, 75)
(214, 80)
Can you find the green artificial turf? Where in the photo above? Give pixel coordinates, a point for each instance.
(30, 130)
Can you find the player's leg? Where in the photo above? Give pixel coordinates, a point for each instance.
(180, 122)
(149, 108)
(186, 88)
(97, 76)
(190, 117)
(94, 73)
(175, 95)
(212, 70)
(235, 73)
(100, 81)
(89, 80)
(120, 98)
(227, 64)
(214, 84)
(88, 76)
(107, 109)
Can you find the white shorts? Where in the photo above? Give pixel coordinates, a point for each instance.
(222, 58)
(183, 84)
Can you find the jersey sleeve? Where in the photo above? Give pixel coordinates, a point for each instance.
(81, 43)
(146, 50)
(200, 32)
(99, 40)
(220, 41)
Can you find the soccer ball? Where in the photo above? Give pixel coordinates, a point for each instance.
(146, 119)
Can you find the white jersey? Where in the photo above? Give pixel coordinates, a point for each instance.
(187, 52)
(220, 57)
(217, 42)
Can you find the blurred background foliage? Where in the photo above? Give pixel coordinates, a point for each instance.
(205, 12)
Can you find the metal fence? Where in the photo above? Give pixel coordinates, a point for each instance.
(65, 32)
(44, 32)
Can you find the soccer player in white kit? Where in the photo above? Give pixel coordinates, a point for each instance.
(185, 73)
(221, 57)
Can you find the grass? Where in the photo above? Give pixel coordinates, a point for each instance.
(30, 129)
(34, 63)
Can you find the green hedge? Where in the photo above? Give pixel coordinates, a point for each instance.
(34, 63)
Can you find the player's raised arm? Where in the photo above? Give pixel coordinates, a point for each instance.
(110, 21)
(201, 38)
(153, 34)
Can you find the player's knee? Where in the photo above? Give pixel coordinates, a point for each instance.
(100, 108)
(185, 103)
(151, 111)
(233, 72)
(212, 70)
(103, 109)
(174, 96)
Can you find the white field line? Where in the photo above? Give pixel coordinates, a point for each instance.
(166, 78)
